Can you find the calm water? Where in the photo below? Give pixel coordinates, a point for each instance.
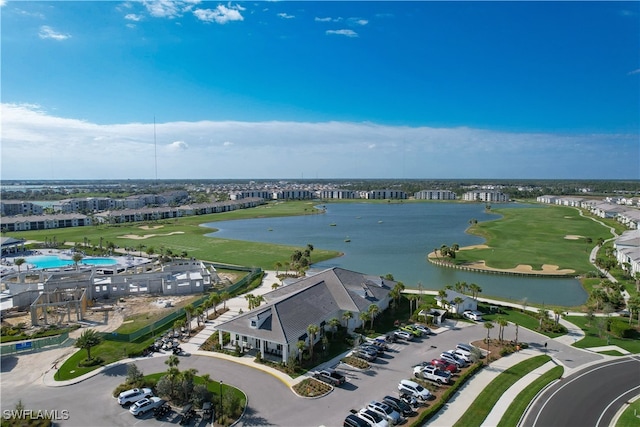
(54, 261)
(395, 238)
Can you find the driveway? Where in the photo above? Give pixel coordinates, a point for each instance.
(270, 401)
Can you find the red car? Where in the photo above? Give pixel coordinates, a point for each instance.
(444, 365)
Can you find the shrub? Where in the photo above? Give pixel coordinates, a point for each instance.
(622, 330)
(94, 361)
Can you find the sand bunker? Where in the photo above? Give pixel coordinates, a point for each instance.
(146, 236)
(573, 237)
(522, 268)
(150, 227)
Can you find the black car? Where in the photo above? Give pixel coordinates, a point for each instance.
(354, 421)
(399, 405)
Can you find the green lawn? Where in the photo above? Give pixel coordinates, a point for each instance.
(191, 237)
(521, 402)
(513, 315)
(536, 236)
(630, 416)
(592, 339)
(485, 401)
(109, 351)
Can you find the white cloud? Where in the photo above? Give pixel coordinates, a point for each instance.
(361, 21)
(277, 149)
(3, 2)
(178, 146)
(133, 17)
(286, 16)
(169, 8)
(327, 19)
(221, 14)
(348, 33)
(47, 32)
(634, 72)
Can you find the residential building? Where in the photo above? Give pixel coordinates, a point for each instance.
(277, 327)
(435, 195)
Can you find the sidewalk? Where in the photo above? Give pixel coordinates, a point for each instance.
(464, 397)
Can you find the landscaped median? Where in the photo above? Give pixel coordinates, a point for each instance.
(486, 400)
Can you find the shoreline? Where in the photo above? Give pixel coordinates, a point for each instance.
(548, 270)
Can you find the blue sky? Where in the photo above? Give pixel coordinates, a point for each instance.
(320, 90)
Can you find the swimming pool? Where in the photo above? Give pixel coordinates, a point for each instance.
(54, 261)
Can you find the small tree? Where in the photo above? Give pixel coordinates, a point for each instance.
(134, 374)
(77, 257)
(312, 330)
(18, 262)
(488, 326)
(88, 339)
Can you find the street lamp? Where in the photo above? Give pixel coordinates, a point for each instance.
(220, 416)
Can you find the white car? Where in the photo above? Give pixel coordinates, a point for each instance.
(134, 395)
(373, 418)
(414, 389)
(432, 373)
(403, 335)
(461, 354)
(465, 347)
(146, 405)
(453, 359)
(473, 315)
(386, 411)
(425, 330)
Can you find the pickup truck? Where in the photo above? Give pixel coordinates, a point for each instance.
(330, 376)
(432, 373)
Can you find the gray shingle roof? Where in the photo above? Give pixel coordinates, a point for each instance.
(310, 300)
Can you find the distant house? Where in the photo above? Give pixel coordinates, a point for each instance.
(627, 248)
(448, 302)
(276, 327)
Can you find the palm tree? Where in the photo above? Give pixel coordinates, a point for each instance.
(224, 296)
(250, 298)
(502, 323)
(19, 262)
(488, 326)
(475, 290)
(189, 309)
(278, 265)
(301, 345)
(373, 312)
(347, 316)
(214, 299)
(199, 313)
(364, 316)
(334, 323)
(77, 257)
(557, 312)
(172, 361)
(312, 330)
(457, 301)
(88, 339)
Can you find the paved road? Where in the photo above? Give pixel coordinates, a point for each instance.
(270, 401)
(588, 397)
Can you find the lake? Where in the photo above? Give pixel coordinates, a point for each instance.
(396, 238)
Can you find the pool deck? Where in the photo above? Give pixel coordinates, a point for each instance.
(8, 265)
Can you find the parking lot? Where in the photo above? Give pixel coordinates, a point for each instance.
(271, 402)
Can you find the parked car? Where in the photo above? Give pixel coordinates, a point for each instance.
(464, 355)
(453, 359)
(386, 411)
(445, 365)
(432, 373)
(464, 359)
(466, 347)
(414, 389)
(145, 405)
(412, 330)
(373, 418)
(353, 420)
(330, 376)
(364, 354)
(403, 335)
(472, 315)
(378, 350)
(399, 405)
(424, 329)
(133, 395)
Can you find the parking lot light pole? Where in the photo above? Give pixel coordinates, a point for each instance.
(220, 416)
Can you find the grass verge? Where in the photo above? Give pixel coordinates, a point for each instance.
(482, 405)
(521, 402)
(630, 416)
(595, 338)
